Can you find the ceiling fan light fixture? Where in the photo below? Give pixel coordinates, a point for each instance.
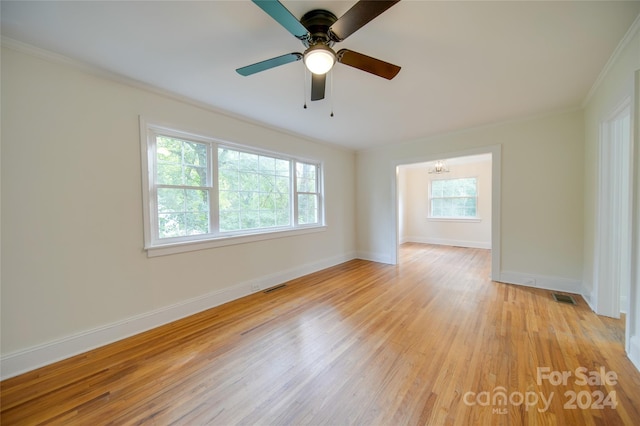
(319, 59)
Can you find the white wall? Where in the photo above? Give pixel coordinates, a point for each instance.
(541, 212)
(616, 84)
(419, 228)
(74, 272)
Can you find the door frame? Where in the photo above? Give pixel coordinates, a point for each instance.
(632, 331)
(612, 245)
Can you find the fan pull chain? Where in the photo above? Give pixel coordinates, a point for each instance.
(331, 88)
(304, 92)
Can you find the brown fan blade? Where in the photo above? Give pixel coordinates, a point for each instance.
(358, 16)
(367, 63)
(317, 86)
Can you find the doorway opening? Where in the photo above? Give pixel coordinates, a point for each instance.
(435, 206)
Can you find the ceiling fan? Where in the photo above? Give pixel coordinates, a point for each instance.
(319, 30)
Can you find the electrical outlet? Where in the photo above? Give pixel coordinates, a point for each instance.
(255, 287)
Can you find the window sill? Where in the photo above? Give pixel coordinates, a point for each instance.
(186, 246)
(455, 219)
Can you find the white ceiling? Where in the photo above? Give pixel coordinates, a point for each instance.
(463, 63)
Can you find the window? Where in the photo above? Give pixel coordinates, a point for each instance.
(183, 186)
(307, 193)
(199, 189)
(454, 198)
(254, 190)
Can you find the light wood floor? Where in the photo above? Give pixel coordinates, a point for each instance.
(431, 341)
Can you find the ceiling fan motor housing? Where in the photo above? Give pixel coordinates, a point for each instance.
(318, 22)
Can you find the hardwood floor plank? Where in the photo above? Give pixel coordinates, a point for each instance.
(430, 341)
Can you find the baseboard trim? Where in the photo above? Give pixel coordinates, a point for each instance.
(634, 351)
(588, 296)
(447, 242)
(542, 281)
(38, 356)
(624, 303)
(375, 257)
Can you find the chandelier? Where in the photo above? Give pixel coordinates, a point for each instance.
(439, 167)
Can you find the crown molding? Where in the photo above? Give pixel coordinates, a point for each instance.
(50, 56)
(633, 29)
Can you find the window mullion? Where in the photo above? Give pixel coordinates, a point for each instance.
(293, 166)
(319, 192)
(153, 187)
(200, 188)
(214, 196)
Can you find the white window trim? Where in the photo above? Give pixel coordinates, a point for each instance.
(160, 247)
(467, 219)
(208, 243)
(454, 219)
